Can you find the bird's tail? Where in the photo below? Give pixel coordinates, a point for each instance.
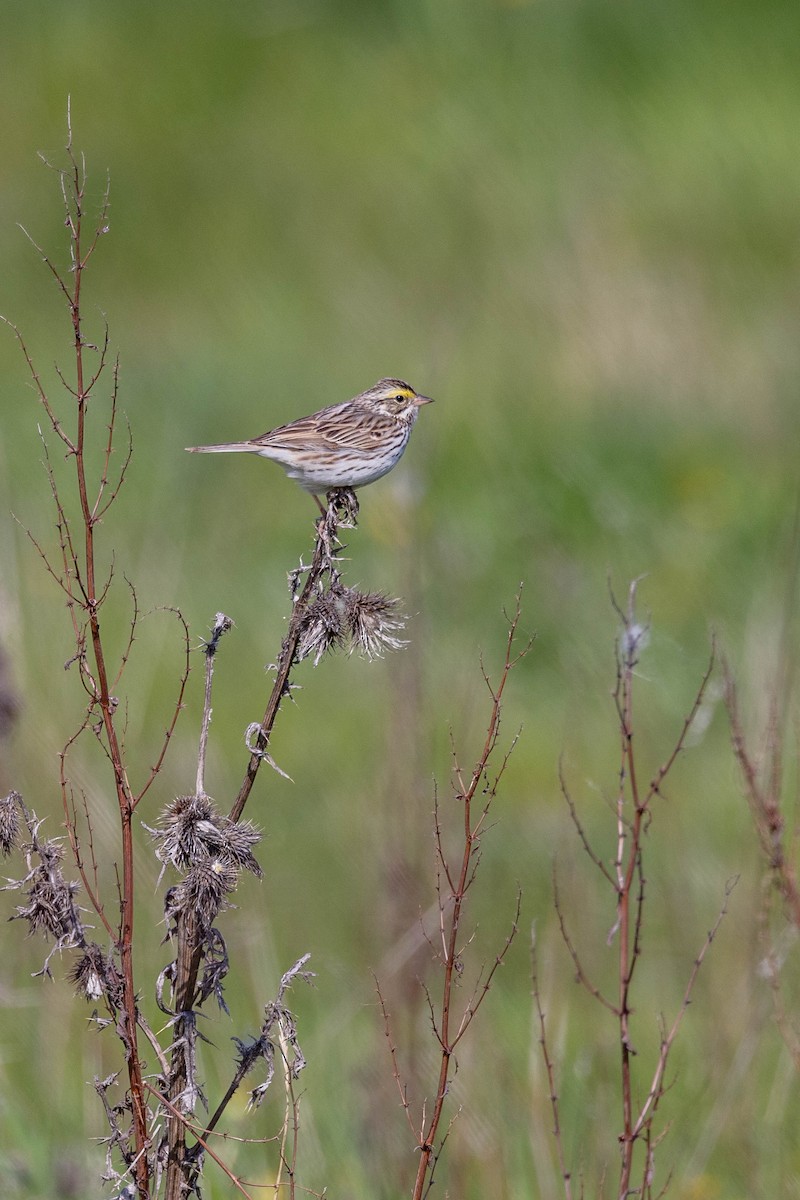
(224, 448)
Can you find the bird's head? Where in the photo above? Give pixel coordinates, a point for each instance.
(394, 398)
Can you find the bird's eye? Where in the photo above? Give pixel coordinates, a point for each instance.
(399, 399)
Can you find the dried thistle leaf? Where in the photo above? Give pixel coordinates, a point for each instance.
(9, 822)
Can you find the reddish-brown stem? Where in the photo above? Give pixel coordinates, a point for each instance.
(566, 1174)
(128, 1027)
(451, 909)
(633, 809)
(764, 799)
(387, 1029)
(79, 581)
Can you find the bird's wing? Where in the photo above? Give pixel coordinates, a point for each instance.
(322, 430)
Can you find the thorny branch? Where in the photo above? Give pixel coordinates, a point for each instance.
(322, 563)
(213, 849)
(320, 635)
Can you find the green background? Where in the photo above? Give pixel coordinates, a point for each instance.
(575, 224)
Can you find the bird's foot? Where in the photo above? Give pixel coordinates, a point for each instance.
(343, 507)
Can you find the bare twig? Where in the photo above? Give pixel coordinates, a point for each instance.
(566, 1174)
(647, 1110)
(453, 881)
(633, 809)
(220, 627)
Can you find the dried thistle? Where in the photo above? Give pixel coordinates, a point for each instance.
(50, 907)
(237, 839)
(324, 626)
(187, 831)
(375, 621)
(366, 622)
(222, 625)
(96, 974)
(205, 887)
(192, 831)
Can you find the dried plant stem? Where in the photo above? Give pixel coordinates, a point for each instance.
(633, 811)
(290, 1130)
(763, 770)
(453, 882)
(189, 954)
(76, 568)
(78, 578)
(649, 1104)
(630, 877)
(222, 625)
(763, 792)
(102, 698)
(327, 527)
(566, 1175)
(179, 1118)
(188, 957)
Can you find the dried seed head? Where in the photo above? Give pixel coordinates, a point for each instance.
(187, 831)
(211, 849)
(221, 626)
(204, 888)
(634, 638)
(367, 622)
(9, 822)
(324, 626)
(374, 621)
(191, 830)
(236, 840)
(51, 852)
(93, 974)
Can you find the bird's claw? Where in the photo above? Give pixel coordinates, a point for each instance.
(343, 507)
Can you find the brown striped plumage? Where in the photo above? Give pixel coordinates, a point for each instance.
(345, 446)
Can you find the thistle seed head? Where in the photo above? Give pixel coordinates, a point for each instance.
(94, 974)
(366, 622)
(191, 830)
(205, 887)
(375, 621)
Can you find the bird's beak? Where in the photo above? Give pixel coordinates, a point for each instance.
(418, 400)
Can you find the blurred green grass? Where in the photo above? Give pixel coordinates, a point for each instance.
(575, 225)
